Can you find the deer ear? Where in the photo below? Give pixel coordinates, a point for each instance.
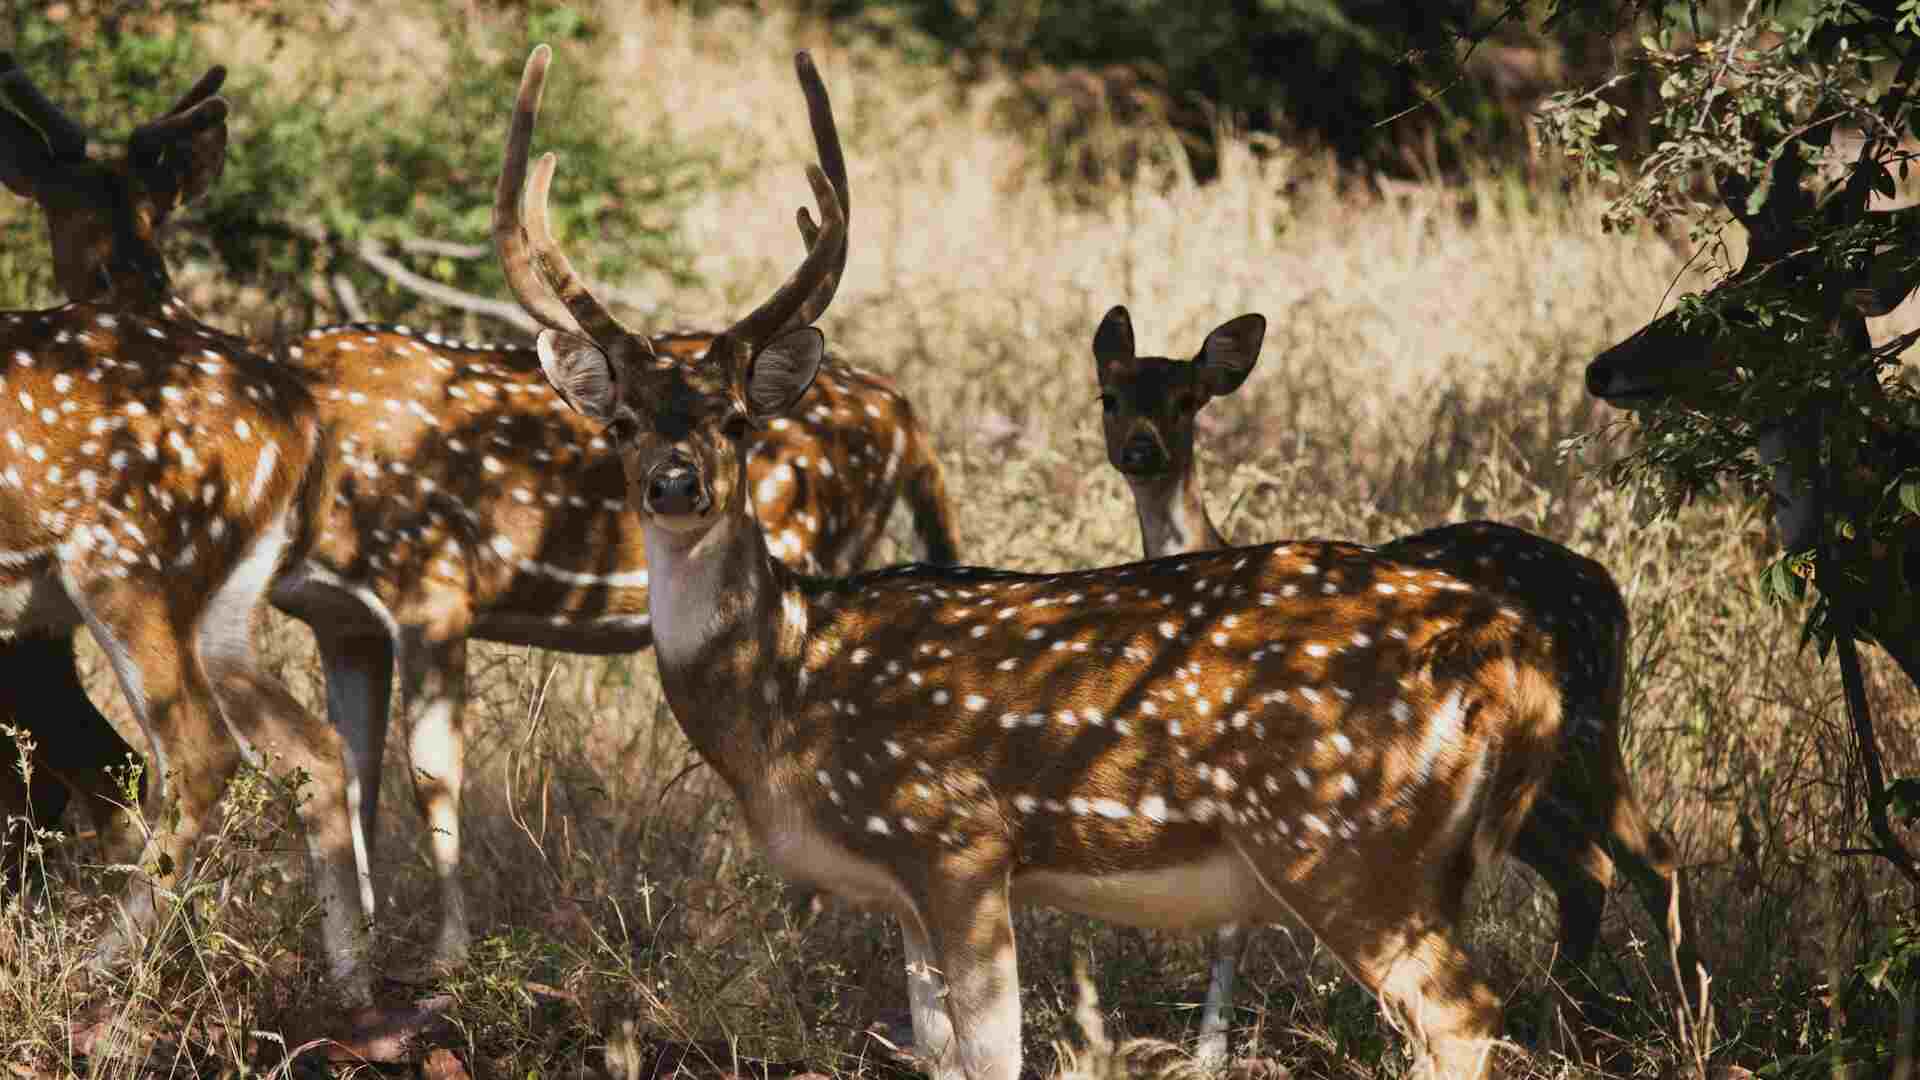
(580, 373)
(1228, 356)
(1890, 278)
(206, 151)
(1880, 298)
(181, 167)
(782, 372)
(25, 160)
(1113, 341)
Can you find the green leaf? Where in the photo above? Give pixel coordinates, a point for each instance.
(1910, 496)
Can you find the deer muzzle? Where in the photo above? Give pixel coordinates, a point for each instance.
(674, 490)
(1142, 454)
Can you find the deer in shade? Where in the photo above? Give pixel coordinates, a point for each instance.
(1589, 820)
(155, 475)
(1689, 361)
(1184, 743)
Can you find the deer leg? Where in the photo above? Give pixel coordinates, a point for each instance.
(75, 744)
(1401, 945)
(270, 725)
(1577, 869)
(152, 656)
(1229, 943)
(359, 674)
(971, 930)
(926, 991)
(433, 682)
(1650, 863)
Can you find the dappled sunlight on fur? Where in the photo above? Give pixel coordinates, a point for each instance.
(1419, 367)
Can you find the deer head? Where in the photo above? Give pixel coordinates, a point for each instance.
(107, 201)
(1693, 358)
(680, 424)
(1690, 356)
(1150, 402)
(1150, 407)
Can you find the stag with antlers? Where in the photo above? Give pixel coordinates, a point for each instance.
(473, 505)
(155, 474)
(446, 441)
(1589, 819)
(1182, 743)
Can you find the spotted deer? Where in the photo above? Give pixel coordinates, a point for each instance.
(1698, 359)
(443, 439)
(1589, 819)
(75, 747)
(474, 505)
(1213, 738)
(155, 473)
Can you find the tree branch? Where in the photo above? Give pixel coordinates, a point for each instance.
(446, 295)
(1891, 849)
(1843, 595)
(445, 249)
(376, 258)
(347, 297)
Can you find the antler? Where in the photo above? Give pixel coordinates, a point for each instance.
(803, 296)
(826, 140)
(510, 240)
(527, 250)
(196, 108)
(554, 267)
(67, 138)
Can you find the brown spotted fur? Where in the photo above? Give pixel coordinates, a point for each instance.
(154, 474)
(1192, 741)
(1589, 819)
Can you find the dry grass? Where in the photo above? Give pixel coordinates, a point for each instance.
(1422, 365)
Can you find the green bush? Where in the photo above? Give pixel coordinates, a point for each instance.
(314, 170)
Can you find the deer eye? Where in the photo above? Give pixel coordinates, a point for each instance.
(622, 429)
(737, 426)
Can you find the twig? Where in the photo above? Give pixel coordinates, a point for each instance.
(446, 249)
(1843, 595)
(369, 252)
(1890, 848)
(347, 297)
(1474, 38)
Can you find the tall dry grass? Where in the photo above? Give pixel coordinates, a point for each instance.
(1422, 365)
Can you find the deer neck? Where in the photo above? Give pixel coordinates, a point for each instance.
(1173, 519)
(726, 634)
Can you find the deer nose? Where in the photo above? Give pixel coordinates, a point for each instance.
(673, 489)
(1142, 453)
(1599, 378)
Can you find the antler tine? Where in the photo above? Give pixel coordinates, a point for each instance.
(593, 316)
(174, 125)
(770, 318)
(509, 233)
(67, 138)
(208, 86)
(193, 111)
(826, 139)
